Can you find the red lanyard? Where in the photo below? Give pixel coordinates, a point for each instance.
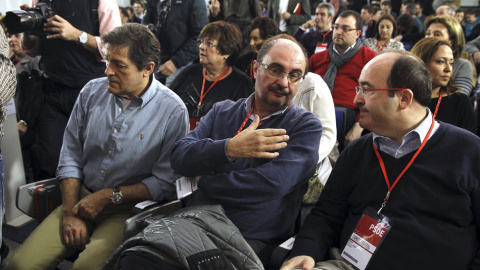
(251, 66)
(202, 95)
(378, 47)
(382, 165)
(248, 117)
(326, 34)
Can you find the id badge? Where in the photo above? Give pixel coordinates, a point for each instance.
(194, 123)
(366, 238)
(321, 46)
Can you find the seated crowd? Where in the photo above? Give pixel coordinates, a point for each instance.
(173, 92)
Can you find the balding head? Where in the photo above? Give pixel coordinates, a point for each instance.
(443, 11)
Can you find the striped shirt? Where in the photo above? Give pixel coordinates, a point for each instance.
(8, 79)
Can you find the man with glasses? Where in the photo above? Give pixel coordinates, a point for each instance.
(316, 35)
(253, 156)
(340, 67)
(405, 196)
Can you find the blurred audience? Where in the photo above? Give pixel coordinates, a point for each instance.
(316, 35)
(260, 30)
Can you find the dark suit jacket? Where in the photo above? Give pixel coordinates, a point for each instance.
(295, 20)
(370, 33)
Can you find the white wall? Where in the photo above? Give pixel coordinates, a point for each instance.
(8, 5)
(469, 3)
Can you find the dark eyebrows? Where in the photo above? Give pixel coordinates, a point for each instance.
(277, 65)
(364, 84)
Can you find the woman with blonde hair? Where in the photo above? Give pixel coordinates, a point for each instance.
(464, 74)
(447, 103)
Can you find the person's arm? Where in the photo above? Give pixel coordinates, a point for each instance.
(197, 20)
(314, 96)
(299, 19)
(109, 18)
(306, 262)
(89, 206)
(473, 47)
(255, 8)
(462, 75)
(197, 154)
(161, 184)
(74, 228)
(7, 71)
(354, 133)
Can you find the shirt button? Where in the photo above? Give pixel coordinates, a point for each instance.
(400, 151)
(115, 131)
(102, 171)
(119, 109)
(110, 151)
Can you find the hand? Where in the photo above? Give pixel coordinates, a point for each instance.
(252, 143)
(197, 178)
(309, 24)
(214, 7)
(476, 57)
(306, 262)
(89, 207)
(22, 129)
(354, 133)
(167, 69)
(24, 6)
(74, 230)
(286, 15)
(58, 27)
(398, 38)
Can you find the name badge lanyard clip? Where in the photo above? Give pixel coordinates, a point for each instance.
(382, 165)
(248, 117)
(202, 94)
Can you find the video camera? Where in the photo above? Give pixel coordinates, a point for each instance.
(30, 20)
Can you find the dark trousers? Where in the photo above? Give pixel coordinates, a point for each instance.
(53, 118)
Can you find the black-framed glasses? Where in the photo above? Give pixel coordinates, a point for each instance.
(207, 43)
(343, 27)
(274, 71)
(366, 90)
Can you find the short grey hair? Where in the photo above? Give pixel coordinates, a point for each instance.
(331, 9)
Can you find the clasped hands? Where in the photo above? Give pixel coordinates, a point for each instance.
(74, 228)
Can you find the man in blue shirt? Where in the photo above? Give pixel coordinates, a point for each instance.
(115, 153)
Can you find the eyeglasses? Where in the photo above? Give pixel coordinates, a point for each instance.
(344, 28)
(208, 43)
(365, 90)
(293, 77)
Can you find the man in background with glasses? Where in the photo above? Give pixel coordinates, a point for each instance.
(340, 67)
(414, 183)
(253, 157)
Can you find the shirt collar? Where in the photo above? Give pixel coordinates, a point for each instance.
(249, 104)
(348, 49)
(420, 132)
(148, 95)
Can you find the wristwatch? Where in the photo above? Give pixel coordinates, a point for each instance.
(117, 196)
(83, 38)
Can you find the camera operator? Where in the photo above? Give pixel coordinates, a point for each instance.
(71, 56)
